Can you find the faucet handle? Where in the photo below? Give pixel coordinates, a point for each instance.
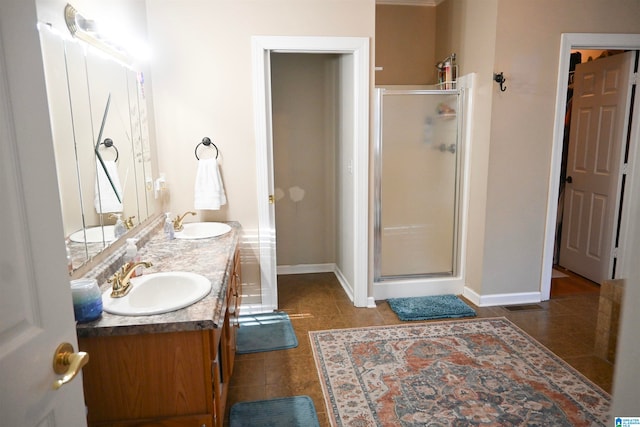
(129, 222)
(177, 222)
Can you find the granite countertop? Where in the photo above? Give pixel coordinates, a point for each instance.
(212, 258)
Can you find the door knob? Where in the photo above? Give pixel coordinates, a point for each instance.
(568, 180)
(66, 362)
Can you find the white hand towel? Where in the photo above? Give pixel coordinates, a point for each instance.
(105, 200)
(209, 190)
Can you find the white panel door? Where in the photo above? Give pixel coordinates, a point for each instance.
(36, 312)
(599, 119)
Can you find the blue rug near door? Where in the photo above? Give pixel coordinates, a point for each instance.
(265, 332)
(432, 307)
(282, 412)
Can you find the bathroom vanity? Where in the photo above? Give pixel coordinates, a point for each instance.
(169, 369)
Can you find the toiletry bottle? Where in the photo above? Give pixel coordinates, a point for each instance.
(119, 229)
(131, 256)
(169, 232)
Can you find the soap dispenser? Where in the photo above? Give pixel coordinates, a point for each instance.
(169, 232)
(119, 229)
(131, 256)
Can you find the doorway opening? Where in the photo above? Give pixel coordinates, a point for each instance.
(592, 175)
(570, 42)
(351, 167)
(306, 118)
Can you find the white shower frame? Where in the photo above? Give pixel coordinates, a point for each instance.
(455, 284)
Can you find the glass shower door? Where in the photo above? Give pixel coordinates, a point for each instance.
(417, 161)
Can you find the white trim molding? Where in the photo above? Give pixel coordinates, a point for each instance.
(500, 299)
(431, 3)
(358, 48)
(306, 268)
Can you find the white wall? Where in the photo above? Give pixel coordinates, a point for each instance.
(468, 28)
(203, 86)
(522, 118)
(513, 130)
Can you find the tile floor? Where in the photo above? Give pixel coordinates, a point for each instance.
(566, 325)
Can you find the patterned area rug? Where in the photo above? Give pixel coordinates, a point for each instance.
(481, 372)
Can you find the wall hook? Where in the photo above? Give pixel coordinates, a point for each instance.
(499, 78)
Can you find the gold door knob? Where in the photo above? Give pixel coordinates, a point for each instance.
(66, 362)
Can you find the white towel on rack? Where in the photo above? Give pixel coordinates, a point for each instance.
(105, 200)
(209, 190)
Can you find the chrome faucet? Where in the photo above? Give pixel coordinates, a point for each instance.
(177, 223)
(120, 285)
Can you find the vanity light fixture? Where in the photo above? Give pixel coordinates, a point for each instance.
(86, 30)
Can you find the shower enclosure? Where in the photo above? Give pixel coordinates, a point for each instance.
(418, 179)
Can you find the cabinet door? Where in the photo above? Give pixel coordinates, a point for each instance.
(216, 378)
(150, 376)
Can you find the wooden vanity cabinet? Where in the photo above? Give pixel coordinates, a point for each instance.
(166, 379)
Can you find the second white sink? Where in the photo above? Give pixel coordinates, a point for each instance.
(94, 235)
(203, 230)
(158, 293)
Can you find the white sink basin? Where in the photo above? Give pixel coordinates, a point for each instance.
(94, 235)
(157, 293)
(203, 230)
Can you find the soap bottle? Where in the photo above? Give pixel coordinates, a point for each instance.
(131, 256)
(119, 229)
(169, 232)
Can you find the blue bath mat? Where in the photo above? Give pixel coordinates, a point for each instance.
(282, 412)
(265, 332)
(433, 307)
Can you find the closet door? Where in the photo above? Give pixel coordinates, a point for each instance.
(599, 122)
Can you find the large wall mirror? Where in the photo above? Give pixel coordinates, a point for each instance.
(104, 160)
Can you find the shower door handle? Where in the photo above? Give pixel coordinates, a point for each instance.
(450, 148)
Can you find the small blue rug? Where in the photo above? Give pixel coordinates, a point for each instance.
(282, 412)
(433, 307)
(265, 332)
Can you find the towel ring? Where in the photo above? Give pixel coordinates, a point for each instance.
(108, 142)
(206, 142)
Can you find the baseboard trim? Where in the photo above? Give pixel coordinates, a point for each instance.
(416, 287)
(343, 282)
(307, 268)
(247, 309)
(501, 299)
